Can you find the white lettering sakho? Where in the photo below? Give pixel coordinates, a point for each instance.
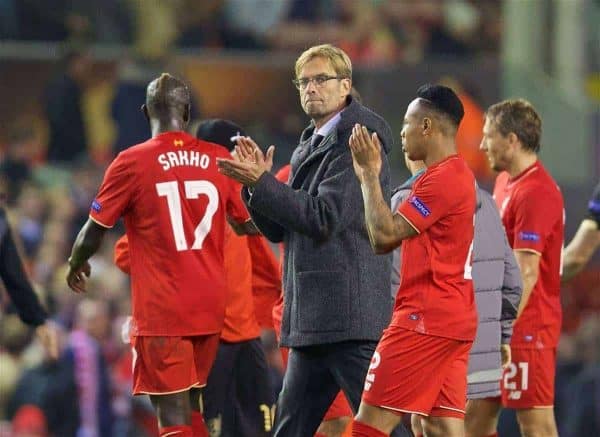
(183, 157)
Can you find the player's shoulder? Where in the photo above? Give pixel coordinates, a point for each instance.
(137, 150)
(540, 184)
(452, 170)
(547, 181)
(451, 164)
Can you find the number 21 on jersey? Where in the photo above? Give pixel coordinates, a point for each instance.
(193, 190)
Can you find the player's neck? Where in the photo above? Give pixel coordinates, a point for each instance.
(158, 127)
(521, 163)
(442, 151)
(417, 167)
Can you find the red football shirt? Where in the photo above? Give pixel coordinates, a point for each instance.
(240, 322)
(531, 206)
(266, 279)
(174, 202)
(435, 296)
(240, 318)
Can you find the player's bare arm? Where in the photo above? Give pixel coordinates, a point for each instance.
(529, 264)
(87, 243)
(505, 352)
(386, 230)
(580, 249)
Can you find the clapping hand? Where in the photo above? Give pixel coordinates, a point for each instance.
(366, 151)
(248, 163)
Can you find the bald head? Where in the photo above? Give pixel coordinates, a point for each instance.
(168, 98)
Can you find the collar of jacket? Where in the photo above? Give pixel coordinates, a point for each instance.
(349, 115)
(352, 112)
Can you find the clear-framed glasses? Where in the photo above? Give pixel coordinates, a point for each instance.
(319, 80)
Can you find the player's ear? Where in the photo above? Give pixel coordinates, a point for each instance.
(427, 126)
(513, 139)
(186, 113)
(144, 109)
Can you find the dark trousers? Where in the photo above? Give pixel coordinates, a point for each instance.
(238, 399)
(314, 376)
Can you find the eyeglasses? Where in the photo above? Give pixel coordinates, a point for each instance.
(319, 80)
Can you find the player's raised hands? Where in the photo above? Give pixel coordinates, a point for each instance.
(76, 277)
(249, 163)
(366, 151)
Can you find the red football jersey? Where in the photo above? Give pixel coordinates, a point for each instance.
(435, 296)
(240, 318)
(174, 202)
(240, 322)
(266, 279)
(531, 207)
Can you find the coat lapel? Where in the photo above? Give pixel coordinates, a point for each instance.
(304, 158)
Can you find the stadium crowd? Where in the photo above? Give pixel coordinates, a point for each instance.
(405, 31)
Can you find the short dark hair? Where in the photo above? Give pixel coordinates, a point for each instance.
(166, 94)
(442, 99)
(219, 131)
(519, 117)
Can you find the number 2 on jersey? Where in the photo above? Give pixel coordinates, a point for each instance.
(469, 263)
(193, 189)
(468, 272)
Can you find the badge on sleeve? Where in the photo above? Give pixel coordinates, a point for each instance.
(419, 205)
(96, 206)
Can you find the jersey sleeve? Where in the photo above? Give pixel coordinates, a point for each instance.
(429, 201)
(534, 219)
(235, 205)
(114, 193)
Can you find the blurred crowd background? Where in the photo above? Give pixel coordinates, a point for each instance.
(72, 80)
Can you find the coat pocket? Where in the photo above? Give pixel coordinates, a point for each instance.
(323, 301)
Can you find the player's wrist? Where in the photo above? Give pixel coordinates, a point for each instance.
(74, 264)
(251, 186)
(369, 174)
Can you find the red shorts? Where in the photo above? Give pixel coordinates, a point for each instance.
(528, 381)
(417, 373)
(164, 365)
(340, 406)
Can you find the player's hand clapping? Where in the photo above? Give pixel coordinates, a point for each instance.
(248, 163)
(366, 151)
